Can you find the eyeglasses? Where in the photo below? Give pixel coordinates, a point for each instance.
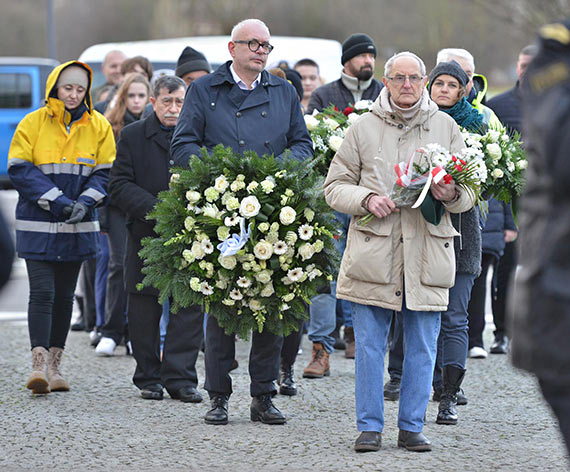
(401, 79)
(254, 45)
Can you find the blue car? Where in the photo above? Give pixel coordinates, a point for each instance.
(22, 90)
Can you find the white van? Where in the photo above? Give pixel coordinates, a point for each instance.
(163, 53)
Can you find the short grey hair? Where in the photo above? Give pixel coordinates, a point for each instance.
(530, 50)
(448, 54)
(390, 62)
(236, 29)
(170, 82)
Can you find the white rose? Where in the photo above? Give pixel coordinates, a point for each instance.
(197, 250)
(497, 173)
(228, 262)
(494, 135)
(363, 105)
(189, 223)
(263, 276)
(306, 251)
(255, 305)
(494, 151)
(335, 142)
(192, 196)
(250, 206)
(267, 290)
(522, 164)
(352, 118)
(263, 250)
(331, 124)
(174, 178)
(287, 215)
(221, 183)
(311, 122)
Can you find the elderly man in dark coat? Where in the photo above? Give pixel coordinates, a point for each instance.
(138, 174)
(241, 105)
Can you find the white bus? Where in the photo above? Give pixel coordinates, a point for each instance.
(163, 53)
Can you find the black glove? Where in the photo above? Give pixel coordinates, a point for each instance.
(78, 212)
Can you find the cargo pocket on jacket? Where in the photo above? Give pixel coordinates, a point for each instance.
(438, 260)
(369, 253)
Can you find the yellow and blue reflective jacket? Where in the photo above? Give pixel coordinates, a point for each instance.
(54, 162)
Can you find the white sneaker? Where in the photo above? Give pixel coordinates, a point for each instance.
(106, 347)
(93, 335)
(477, 353)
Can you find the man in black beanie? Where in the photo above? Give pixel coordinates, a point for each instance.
(191, 65)
(356, 81)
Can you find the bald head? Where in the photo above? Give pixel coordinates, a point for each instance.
(111, 66)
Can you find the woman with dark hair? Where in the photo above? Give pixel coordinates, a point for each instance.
(131, 99)
(59, 162)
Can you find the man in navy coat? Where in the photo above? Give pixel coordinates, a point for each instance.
(242, 106)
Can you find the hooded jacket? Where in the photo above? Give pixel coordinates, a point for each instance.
(477, 100)
(402, 246)
(54, 162)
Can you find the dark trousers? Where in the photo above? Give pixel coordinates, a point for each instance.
(396, 354)
(88, 272)
(291, 345)
(181, 345)
(476, 307)
(505, 268)
(52, 288)
(116, 297)
(264, 359)
(557, 394)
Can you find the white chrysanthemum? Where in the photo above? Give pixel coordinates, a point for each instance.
(221, 183)
(188, 256)
(252, 186)
(243, 282)
(232, 204)
(195, 284)
(211, 194)
(206, 289)
(311, 122)
(272, 237)
(174, 178)
(308, 214)
(287, 215)
(305, 232)
(510, 166)
(228, 262)
(497, 174)
(235, 294)
(189, 223)
(232, 220)
(237, 185)
(268, 185)
(306, 251)
(295, 274)
(331, 124)
(263, 250)
(280, 247)
(222, 284)
(223, 233)
(319, 245)
(249, 207)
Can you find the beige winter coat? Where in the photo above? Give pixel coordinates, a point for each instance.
(380, 256)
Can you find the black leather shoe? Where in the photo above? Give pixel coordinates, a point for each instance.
(461, 398)
(500, 346)
(186, 395)
(413, 441)
(262, 409)
(218, 414)
(235, 365)
(152, 392)
(287, 385)
(392, 390)
(368, 441)
(446, 413)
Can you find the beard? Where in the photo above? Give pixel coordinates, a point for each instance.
(365, 73)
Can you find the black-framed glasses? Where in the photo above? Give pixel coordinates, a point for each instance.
(401, 79)
(254, 45)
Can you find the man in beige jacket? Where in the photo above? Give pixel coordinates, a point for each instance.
(398, 261)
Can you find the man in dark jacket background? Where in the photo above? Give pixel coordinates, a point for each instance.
(540, 302)
(140, 171)
(356, 79)
(242, 106)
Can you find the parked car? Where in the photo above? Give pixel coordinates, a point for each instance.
(163, 53)
(22, 90)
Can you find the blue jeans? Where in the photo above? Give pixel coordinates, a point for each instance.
(322, 319)
(371, 329)
(343, 307)
(101, 273)
(163, 325)
(454, 334)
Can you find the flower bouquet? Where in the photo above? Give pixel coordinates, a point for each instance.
(328, 128)
(432, 163)
(505, 159)
(247, 237)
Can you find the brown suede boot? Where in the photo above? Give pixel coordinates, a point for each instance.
(38, 382)
(319, 365)
(349, 340)
(56, 382)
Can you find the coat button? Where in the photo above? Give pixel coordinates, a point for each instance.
(264, 114)
(400, 126)
(241, 142)
(171, 162)
(64, 158)
(398, 293)
(446, 244)
(367, 238)
(238, 114)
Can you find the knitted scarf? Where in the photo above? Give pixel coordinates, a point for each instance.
(465, 115)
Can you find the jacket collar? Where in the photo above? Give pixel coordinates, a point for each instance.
(152, 130)
(222, 75)
(381, 107)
